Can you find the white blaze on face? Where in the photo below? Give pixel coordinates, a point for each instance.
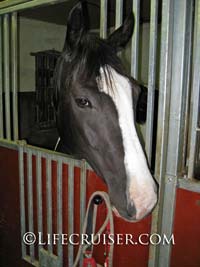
(140, 184)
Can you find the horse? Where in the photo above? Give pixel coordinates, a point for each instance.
(96, 102)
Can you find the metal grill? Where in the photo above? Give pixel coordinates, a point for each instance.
(35, 167)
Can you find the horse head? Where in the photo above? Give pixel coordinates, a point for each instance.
(96, 102)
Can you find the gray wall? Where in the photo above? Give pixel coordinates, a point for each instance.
(36, 36)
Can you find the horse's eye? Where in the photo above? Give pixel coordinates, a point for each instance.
(83, 102)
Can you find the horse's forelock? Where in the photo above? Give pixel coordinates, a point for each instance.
(93, 59)
(105, 77)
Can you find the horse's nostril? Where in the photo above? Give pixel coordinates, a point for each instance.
(131, 210)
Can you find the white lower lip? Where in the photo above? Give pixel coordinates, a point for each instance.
(125, 219)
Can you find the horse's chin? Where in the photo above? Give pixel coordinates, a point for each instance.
(117, 214)
(125, 218)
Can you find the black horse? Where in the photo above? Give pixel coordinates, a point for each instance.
(95, 102)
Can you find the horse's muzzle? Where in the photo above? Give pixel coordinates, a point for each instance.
(138, 209)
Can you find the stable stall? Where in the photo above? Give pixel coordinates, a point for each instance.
(44, 192)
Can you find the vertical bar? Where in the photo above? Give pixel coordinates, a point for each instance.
(178, 87)
(59, 211)
(70, 210)
(82, 197)
(30, 202)
(6, 66)
(118, 13)
(103, 19)
(22, 198)
(1, 82)
(188, 41)
(135, 40)
(39, 191)
(163, 114)
(195, 91)
(14, 66)
(174, 127)
(164, 87)
(82, 193)
(49, 200)
(151, 77)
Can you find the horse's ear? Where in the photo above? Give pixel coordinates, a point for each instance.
(76, 25)
(120, 37)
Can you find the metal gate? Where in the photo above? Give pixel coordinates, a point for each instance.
(177, 148)
(46, 256)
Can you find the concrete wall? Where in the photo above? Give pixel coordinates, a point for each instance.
(36, 36)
